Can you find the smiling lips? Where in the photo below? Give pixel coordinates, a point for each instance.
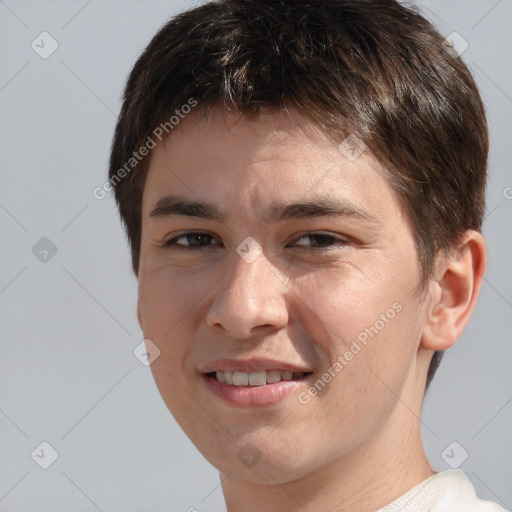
(260, 378)
(255, 381)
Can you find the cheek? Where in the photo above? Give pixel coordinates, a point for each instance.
(167, 296)
(339, 304)
(367, 358)
(367, 328)
(170, 303)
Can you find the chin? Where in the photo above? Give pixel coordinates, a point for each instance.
(253, 459)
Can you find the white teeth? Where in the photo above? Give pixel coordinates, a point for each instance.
(240, 378)
(273, 376)
(256, 378)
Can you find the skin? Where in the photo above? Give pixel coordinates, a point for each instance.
(356, 445)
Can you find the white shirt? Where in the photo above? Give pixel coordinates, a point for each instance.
(448, 491)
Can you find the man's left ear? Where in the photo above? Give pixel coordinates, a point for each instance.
(139, 315)
(454, 291)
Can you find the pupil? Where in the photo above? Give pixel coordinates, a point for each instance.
(322, 240)
(195, 239)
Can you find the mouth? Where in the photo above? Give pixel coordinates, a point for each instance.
(256, 379)
(256, 388)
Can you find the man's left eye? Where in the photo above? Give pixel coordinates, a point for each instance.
(320, 240)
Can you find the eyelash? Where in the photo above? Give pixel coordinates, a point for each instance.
(172, 242)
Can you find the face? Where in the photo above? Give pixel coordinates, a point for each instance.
(277, 279)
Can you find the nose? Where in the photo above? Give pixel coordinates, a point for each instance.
(249, 301)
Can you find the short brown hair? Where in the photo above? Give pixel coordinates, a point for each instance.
(370, 68)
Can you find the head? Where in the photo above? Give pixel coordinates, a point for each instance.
(350, 145)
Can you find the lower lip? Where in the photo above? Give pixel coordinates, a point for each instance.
(254, 395)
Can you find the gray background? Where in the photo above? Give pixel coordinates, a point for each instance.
(68, 375)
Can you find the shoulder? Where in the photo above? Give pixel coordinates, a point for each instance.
(447, 491)
(455, 491)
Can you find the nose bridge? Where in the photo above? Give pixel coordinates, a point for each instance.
(250, 296)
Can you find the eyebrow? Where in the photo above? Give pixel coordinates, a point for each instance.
(172, 205)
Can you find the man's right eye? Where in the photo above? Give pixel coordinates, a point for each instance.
(192, 239)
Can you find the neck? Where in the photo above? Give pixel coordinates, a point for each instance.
(367, 479)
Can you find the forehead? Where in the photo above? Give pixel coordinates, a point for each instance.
(245, 164)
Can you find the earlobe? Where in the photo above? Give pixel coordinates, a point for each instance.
(454, 292)
(139, 315)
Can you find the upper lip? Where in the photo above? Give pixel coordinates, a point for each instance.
(252, 365)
